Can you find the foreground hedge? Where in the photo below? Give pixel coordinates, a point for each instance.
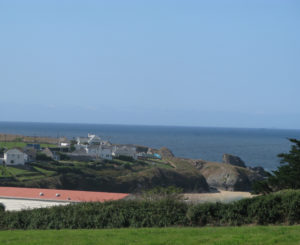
(278, 208)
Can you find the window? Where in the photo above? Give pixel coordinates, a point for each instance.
(12, 161)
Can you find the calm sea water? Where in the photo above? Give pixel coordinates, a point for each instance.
(257, 147)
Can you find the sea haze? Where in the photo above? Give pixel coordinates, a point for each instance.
(257, 147)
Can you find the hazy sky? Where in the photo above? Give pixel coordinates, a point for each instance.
(195, 63)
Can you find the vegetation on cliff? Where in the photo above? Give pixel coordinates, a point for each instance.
(112, 176)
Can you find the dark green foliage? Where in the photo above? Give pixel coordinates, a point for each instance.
(63, 156)
(203, 214)
(159, 193)
(99, 215)
(125, 158)
(2, 150)
(72, 145)
(261, 187)
(42, 157)
(287, 176)
(277, 208)
(2, 208)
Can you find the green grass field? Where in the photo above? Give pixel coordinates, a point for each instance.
(10, 145)
(264, 235)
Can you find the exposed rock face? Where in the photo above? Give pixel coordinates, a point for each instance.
(233, 160)
(258, 173)
(198, 164)
(188, 181)
(228, 177)
(260, 170)
(165, 152)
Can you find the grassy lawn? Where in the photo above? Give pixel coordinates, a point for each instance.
(14, 144)
(18, 170)
(157, 236)
(4, 173)
(45, 172)
(159, 164)
(10, 145)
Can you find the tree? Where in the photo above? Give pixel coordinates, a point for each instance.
(287, 176)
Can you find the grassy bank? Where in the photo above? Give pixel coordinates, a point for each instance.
(158, 236)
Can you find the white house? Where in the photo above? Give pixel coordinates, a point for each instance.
(92, 139)
(64, 144)
(100, 151)
(106, 152)
(94, 146)
(80, 147)
(82, 140)
(129, 151)
(15, 157)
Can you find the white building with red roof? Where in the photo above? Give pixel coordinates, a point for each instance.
(15, 198)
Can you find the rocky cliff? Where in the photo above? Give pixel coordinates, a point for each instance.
(231, 175)
(233, 160)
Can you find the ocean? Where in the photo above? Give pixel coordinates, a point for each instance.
(257, 147)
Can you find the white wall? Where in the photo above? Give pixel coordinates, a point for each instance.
(15, 157)
(12, 204)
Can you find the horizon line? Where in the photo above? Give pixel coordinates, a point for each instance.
(153, 125)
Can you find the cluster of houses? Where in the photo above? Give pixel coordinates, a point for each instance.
(89, 148)
(94, 147)
(17, 156)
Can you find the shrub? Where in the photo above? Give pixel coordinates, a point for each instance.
(42, 157)
(2, 207)
(276, 208)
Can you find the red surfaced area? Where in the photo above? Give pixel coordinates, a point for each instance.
(60, 195)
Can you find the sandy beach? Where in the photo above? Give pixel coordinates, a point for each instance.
(221, 196)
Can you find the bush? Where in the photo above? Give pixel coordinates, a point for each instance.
(43, 157)
(125, 158)
(162, 193)
(2, 207)
(63, 156)
(277, 208)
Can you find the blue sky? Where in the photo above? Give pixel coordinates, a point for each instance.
(193, 63)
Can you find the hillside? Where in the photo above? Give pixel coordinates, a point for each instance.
(112, 176)
(130, 176)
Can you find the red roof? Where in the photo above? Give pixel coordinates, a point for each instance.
(59, 195)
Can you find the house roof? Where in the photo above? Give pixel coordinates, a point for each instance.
(82, 139)
(30, 152)
(14, 151)
(59, 195)
(48, 152)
